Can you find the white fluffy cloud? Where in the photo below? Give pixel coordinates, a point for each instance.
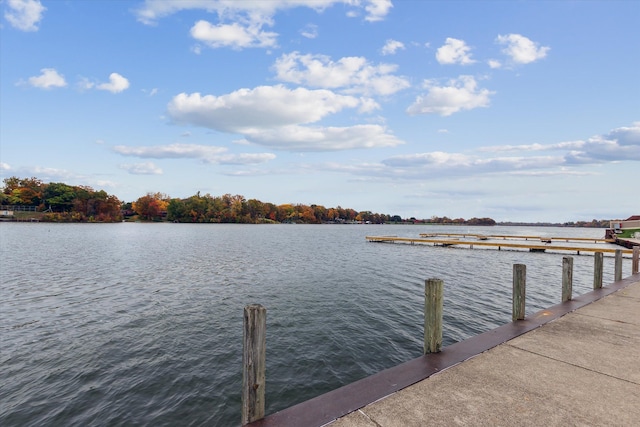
(621, 144)
(376, 9)
(263, 107)
(49, 78)
(153, 10)
(520, 49)
(454, 51)
(240, 23)
(460, 94)
(562, 159)
(352, 74)
(208, 154)
(305, 138)
(232, 35)
(391, 47)
(173, 151)
(472, 164)
(24, 14)
(117, 84)
(147, 168)
(274, 116)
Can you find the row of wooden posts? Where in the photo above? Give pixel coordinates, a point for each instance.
(255, 325)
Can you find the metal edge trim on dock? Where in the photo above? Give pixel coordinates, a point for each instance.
(330, 406)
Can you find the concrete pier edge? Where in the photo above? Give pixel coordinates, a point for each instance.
(330, 406)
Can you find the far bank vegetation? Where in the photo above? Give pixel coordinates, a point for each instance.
(33, 199)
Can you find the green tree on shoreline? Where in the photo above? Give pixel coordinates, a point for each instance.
(60, 202)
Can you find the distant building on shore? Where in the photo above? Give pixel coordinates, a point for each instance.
(631, 222)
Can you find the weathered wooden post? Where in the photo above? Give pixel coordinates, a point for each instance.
(433, 302)
(567, 278)
(598, 258)
(635, 260)
(617, 271)
(253, 363)
(519, 291)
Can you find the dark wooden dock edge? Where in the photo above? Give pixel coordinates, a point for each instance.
(328, 407)
(626, 243)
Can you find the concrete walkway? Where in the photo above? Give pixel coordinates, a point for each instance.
(582, 369)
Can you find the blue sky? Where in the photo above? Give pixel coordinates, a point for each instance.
(514, 110)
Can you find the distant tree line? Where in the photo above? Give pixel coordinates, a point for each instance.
(594, 223)
(459, 221)
(61, 202)
(237, 209)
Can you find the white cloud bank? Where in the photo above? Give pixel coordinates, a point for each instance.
(24, 15)
(621, 144)
(311, 138)
(273, 116)
(208, 154)
(233, 35)
(48, 79)
(263, 107)
(353, 75)
(241, 23)
(460, 94)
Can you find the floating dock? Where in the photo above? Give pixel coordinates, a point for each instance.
(517, 237)
(546, 244)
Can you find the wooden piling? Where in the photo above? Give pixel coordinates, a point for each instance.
(253, 363)
(567, 278)
(519, 291)
(617, 272)
(598, 258)
(433, 302)
(635, 260)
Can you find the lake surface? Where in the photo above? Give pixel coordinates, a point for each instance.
(141, 324)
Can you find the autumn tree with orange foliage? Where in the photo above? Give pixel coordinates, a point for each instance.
(151, 207)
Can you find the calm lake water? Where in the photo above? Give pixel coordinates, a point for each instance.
(141, 324)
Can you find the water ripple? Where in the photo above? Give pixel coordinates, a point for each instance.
(141, 324)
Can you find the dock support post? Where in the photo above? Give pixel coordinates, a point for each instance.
(253, 363)
(617, 271)
(519, 291)
(433, 302)
(598, 258)
(567, 278)
(635, 260)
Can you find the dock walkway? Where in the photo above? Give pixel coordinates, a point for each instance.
(543, 246)
(576, 363)
(582, 369)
